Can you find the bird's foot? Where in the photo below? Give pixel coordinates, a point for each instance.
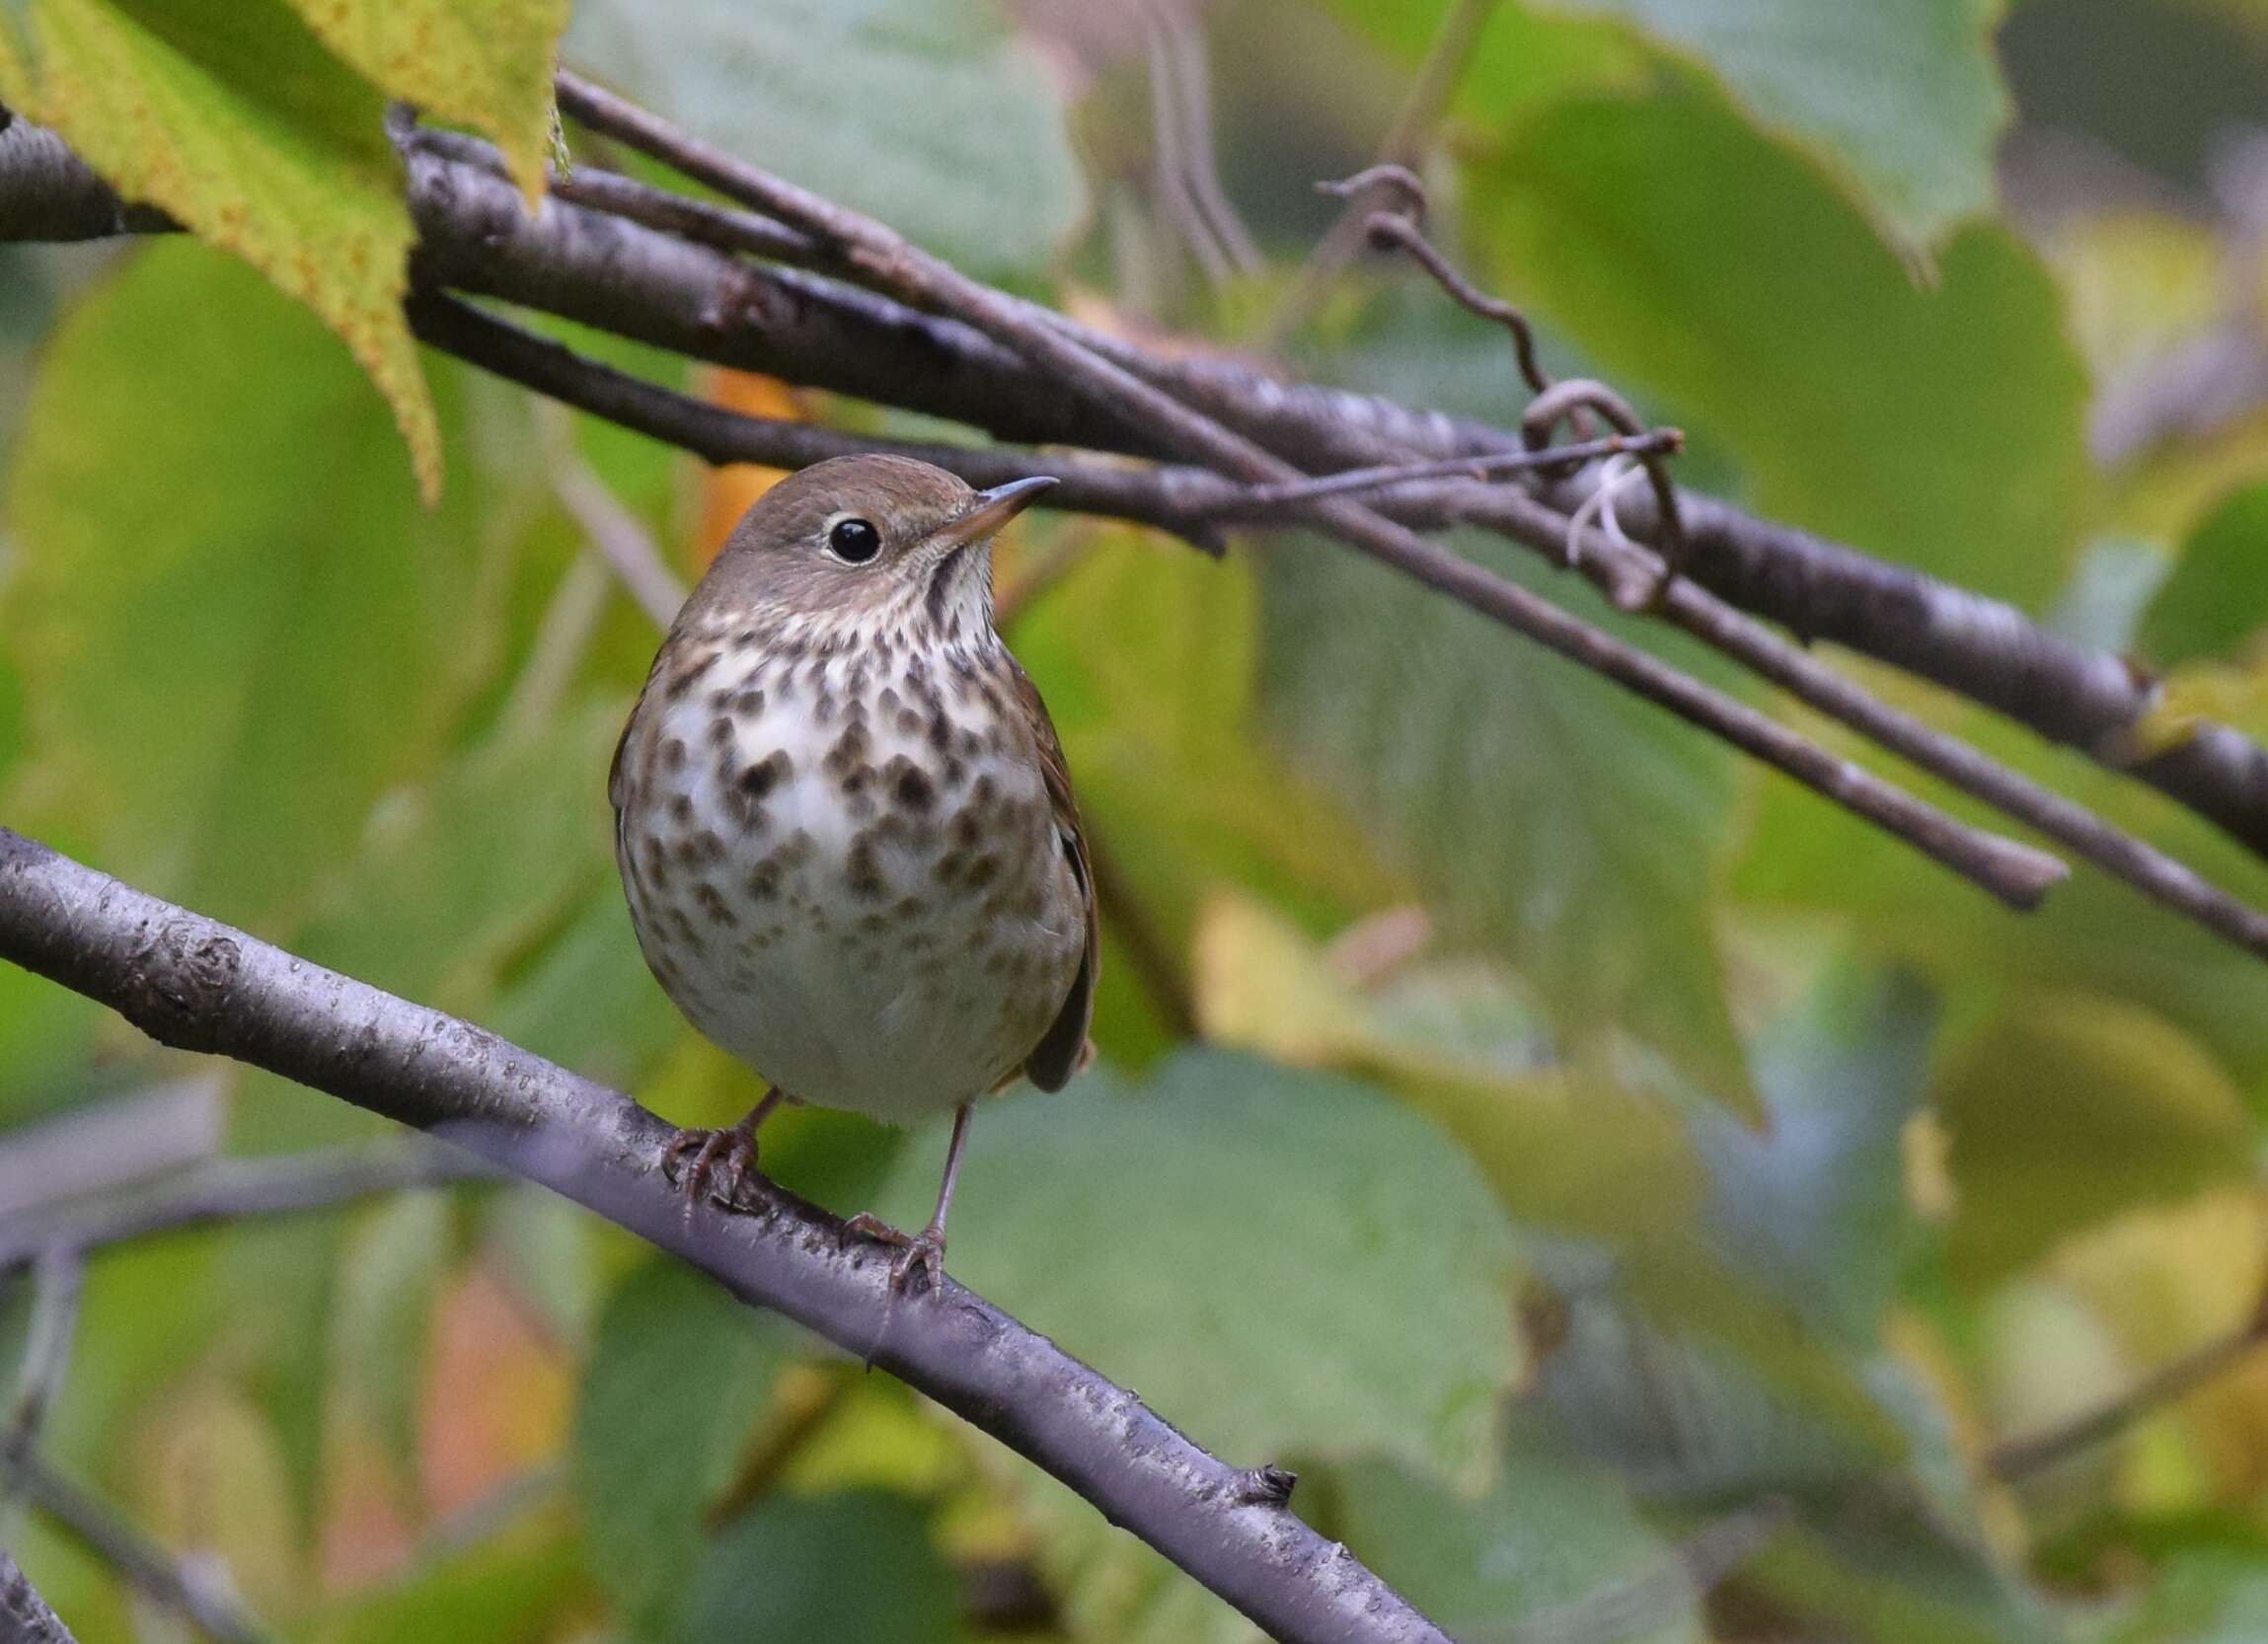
(925, 1251)
(720, 1165)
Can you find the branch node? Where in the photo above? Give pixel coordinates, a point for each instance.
(1267, 1485)
(179, 983)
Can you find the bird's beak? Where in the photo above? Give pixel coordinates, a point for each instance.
(989, 510)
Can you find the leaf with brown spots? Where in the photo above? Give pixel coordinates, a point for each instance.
(238, 123)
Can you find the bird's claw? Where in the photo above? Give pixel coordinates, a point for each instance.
(728, 1154)
(925, 1250)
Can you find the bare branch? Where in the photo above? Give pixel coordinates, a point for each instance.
(613, 273)
(868, 251)
(24, 1614)
(194, 1590)
(626, 545)
(685, 295)
(47, 1361)
(228, 1189)
(1174, 498)
(2024, 1457)
(195, 984)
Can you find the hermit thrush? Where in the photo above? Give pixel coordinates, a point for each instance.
(844, 822)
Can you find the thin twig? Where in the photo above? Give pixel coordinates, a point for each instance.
(1171, 168)
(625, 545)
(198, 985)
(1428, 96)
(2022, 1457)
(193, 1588)
(872, 254)
(1257, 501)
(227, 1190)
(56, 1282)
(1404, 229)
(1172, 498)
(1192, 79)
(692, 299)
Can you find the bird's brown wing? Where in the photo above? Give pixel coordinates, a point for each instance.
(1062, 1049)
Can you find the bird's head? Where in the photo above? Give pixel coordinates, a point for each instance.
(870, 541)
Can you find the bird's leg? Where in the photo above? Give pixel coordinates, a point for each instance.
(735, 1150)
(925, 1250)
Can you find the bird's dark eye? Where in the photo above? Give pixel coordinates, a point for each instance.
(853, 541)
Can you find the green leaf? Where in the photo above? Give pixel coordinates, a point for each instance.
(859, 1564)
(389, 1274)
(1940, 426)
(239, 124)
(459, 876)
(1814, 1204)
(484, 63)
(1147, 657)
(1616, 1174)
(1521, 58)
(677, 1372)
(234, 625)
(2217, 596)
(1553, 1551)
(1901, 100)
(927, 114)
(2069, 1108)
(2095, 937)
(1544, 811)
(1284, 1262)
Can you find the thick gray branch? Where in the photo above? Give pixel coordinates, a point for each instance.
(198, 985)
(25, 1617)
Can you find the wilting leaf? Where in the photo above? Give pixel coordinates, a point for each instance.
(483, 63)
(236, 121)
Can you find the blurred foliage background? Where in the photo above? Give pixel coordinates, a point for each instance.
(1422, 948)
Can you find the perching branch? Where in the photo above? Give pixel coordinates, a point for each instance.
(195, 984)
(23, 1615)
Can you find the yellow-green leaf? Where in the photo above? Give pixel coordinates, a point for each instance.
(2070, 1107)
(486, 63)
(238, 123)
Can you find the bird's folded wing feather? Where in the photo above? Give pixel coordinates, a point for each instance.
(1062, 1049)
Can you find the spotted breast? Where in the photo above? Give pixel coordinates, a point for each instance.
(843, 862)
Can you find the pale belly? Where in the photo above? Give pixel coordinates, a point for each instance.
(870, 920)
